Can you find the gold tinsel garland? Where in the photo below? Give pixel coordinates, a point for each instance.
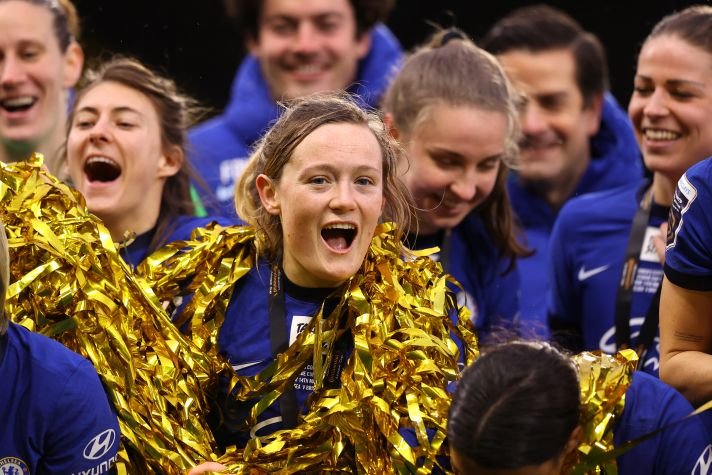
(403, 360)
(70, 283)
(604, 379)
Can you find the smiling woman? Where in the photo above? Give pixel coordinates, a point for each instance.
(126, 155)
(40, 61)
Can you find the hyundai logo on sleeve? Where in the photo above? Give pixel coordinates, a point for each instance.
(100, 445)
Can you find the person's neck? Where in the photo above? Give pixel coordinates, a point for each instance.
(121, 229)
(300, 279)
(49, 146)
(663, 189)
(557, 192)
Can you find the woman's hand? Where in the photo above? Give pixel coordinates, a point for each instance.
(207, 467)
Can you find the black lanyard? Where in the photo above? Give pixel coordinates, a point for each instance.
(445, 251)
(3, 344)
(280, 343)
(624, 298)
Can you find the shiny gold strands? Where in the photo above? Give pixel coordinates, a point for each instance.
(604, 379)
(70, 283)
(393, 384)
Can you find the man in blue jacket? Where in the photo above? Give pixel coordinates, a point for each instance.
(576, 139)
(296, 49)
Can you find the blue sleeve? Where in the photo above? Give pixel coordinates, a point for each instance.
(688, 256)
(563, 317)
(84, 436)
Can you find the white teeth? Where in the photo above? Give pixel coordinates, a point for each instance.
(340, 226)
(309, 69)
(660, 134)
(96, 159)
(18, 101)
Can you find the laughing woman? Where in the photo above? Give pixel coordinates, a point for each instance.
(342, 348)
(454, 112)
(126, 154)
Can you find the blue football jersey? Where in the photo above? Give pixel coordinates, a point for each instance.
(488, 290)
(587, 256)
(55, 417)
(684, 448)
(244, 339)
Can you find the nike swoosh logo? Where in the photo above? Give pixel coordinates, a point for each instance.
(587, 274)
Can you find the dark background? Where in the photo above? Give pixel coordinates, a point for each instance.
(196, 44)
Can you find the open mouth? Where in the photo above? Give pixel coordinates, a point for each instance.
(18, 104)
(339, 236)
(101, 169)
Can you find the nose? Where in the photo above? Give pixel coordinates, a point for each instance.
(343, 198)
(99, 133)
(533, 121)
(656, 105)
(307, 38)
(464, 187)
(12, 72)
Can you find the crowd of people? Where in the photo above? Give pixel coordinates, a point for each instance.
(462, 259)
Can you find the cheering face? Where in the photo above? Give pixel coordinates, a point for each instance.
(671, 104)
(116, 158)
(34, 73)
(453, 160)
(308, 46)
(556, 124)
(329, 198)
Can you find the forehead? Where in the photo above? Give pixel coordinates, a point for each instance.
(20, 20)
(306, 8)
(468, 131)
(541, 72)
(342, 145)
(109, 95)
(672, 57)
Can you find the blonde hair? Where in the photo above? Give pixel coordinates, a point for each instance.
(275, 150)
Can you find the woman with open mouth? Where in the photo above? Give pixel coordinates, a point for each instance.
(454, 112)
(315, 308)
(126, 153)
(41, 62)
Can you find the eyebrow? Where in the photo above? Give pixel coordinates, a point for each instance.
(330, 168)
(674, 82)
(115, 110)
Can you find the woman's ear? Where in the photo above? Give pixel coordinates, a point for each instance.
(170, 162)
(73, 63)
(268, 194)
(391, 125)
(574, 441)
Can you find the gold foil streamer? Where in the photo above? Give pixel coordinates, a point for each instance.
(404, 357)
(70, 283)
(604, 379)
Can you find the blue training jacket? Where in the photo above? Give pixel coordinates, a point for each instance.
(615, 161)
(221, 146)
